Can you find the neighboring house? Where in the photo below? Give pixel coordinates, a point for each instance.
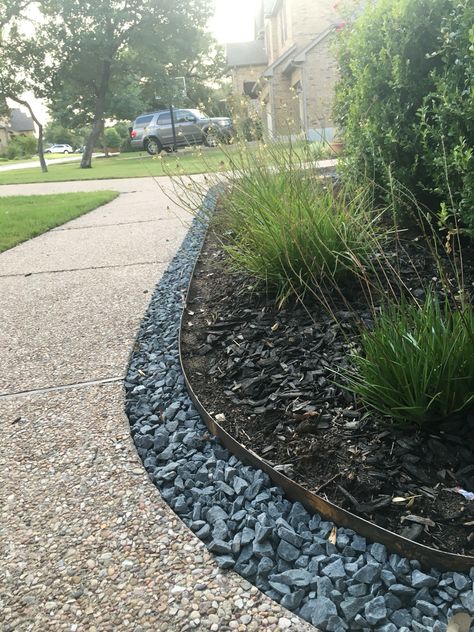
(4, 136)
(247, 61)
(19, 124)
(289, 70)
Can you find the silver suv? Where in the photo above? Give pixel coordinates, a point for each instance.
(154, 132)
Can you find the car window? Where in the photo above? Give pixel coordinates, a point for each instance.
(184, 116)
(164, 119)
(141, 121)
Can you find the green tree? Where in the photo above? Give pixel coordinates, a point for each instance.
(22, 66)
(56, 133)
(115, 56)
(11, 10)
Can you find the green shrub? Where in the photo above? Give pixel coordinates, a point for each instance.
(21, 147)
(406, 99)
(126, 145)
(112, 138)
(447, 118)
(291, 231)
(417, 364)
(252, 128)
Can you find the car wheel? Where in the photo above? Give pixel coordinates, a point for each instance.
(66, 151)
(153, 146)
(211, 138)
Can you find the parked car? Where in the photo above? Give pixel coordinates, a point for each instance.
(59, 149)
(154, 132)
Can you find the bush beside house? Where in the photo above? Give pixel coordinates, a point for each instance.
(406, 101)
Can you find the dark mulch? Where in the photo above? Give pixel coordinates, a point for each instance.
(271, 374)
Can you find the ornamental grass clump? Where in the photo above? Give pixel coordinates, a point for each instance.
(417, 364)
(293, 232)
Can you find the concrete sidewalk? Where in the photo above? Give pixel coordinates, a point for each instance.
(87, 543)
(49, 161)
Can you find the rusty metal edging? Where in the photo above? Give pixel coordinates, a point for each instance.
(395, 543)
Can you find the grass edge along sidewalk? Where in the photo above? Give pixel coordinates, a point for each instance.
(25, 216)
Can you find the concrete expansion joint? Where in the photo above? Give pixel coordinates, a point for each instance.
(138, 221)
(62, 387)
(109, 267)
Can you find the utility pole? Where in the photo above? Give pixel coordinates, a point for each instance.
(173, 127)
(179, 90)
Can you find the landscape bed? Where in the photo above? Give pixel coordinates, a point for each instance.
(268, 376)
(330, 576)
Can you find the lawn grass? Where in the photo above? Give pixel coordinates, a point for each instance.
(25, 216)
(136, 165)
(129, 165)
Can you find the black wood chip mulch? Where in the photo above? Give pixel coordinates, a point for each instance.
(271, 375)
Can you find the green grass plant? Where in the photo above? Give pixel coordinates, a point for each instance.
(417, 364)
(292, 230)
(25, 216)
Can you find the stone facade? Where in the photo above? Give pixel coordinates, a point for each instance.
(297, 91)
(4, 137)
(244, 75)
(320, 77)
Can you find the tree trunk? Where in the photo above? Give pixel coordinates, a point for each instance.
(105, 147)
(98, 125)
(44, 166)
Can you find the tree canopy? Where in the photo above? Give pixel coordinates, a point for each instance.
(114, 58)
(22, 62)
(93, 60)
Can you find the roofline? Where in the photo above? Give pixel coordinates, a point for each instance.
(269, 71)
(233, 66)
(300, 57)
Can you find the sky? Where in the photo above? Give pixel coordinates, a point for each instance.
(233, 21)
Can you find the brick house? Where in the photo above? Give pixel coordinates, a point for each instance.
(288, 72)
(17, 124)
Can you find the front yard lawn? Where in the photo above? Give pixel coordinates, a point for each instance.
(136, 165)
(130, 165)
(25, 216)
